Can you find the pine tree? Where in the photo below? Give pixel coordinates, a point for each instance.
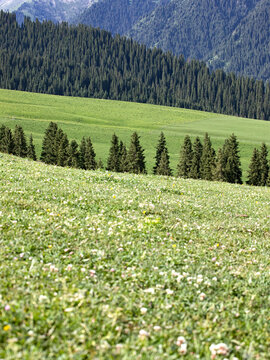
(185, 160)
(113, 159)
(62, 148)
(89, 158)
(48, 152)
(264, 164)
(123, 163)
(195, 170)
(82, 153)
(231, 159)
(218, 174)
(73, 159)
(254, 172)
(161, 146)
(208, 159)
(7, 141)
(268, 178)
(20, 144)
(164, 164)
(31, 152)
(135, 156)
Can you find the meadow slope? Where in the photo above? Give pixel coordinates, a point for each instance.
(101, 118)
(118, 266)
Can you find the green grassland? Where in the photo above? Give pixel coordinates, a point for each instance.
(117, 266)
(100, 118)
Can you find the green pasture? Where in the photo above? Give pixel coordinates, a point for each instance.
(120, 266)
(99, 119)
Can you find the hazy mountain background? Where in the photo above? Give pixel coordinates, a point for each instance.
(229, 34)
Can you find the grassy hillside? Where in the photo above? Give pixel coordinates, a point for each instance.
(117, 266)
(100, 118)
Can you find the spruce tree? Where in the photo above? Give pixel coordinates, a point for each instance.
(185, 160)
(48, 152)
(195, 170)
(90, 155)
(135, 156)
(7, 141)
(73, 159)
(264, 164)
(161, 146)
(82, 153)
(20, 144)
(218, 174)
(232, 170)
(164, 164)
(254, 172)
(268, 178)
(208, 159)
(31, 152)
(113, 159)
(2, 136)
(123, 162)
(62, 148)
(100, 164)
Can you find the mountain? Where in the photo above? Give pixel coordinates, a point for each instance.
(230, 34)
(118, 16)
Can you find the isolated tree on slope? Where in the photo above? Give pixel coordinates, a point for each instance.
(48, 152)
(264, 164)
(162, 147)
(185, 160)
(254, 172)
(208, 159)
(90, 156)
(195, 170)
(232, 170)
(135, 156)
(113, 159)
(31, 151)
(20, 144)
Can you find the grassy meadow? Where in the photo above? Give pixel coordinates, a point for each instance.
(120, 266)
(101, 118)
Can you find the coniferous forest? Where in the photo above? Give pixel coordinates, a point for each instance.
(82, 61)
(197, 160)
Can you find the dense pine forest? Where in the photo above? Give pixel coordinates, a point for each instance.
(82, 61)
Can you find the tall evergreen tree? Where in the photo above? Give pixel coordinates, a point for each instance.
(82, 153)
(62, 148)
(90, 156)
(2, 136)
(31, 151)
(208, 159)
(185, 160)
(20, 144)
(254, 172)
(161, 146)
(7, 141)
(219, 170)
(123, 162)
(164, 164)
(113, 159)
(49, 153)
(195, 170)
(268, 178)
(231, 158)
(73, 159)
(135, 156)
(264, 164)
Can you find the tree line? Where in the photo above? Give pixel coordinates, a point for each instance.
(197, 160)
(82, 61)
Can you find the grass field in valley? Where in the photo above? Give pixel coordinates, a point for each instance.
(99, 119)
(119, 266)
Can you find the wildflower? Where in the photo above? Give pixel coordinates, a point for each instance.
(219, 349)
(92, 273)
(69, 267)
(143, 334)
(6, 327)
(157, 328)
(143, 310)
(7, 307)
(182, 344)
(150, 291)
(202, 296)
(169, 291)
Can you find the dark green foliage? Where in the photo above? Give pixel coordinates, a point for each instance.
(268, 179)
(164, 164)
(218, 174)
(73, 159)
(49, 152)
(20, 144)
(100, 164)
(113, 162)
(62, 148)
(31, 152)
(6, 140)
(40, 58)
(162, 147)
(264, 165)
(185, 160)
(135, 156)
(231, 161)
(90, 156)
(123, 162)
(254, 172)
(82, 153)
(208, 159)
(195, 170)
